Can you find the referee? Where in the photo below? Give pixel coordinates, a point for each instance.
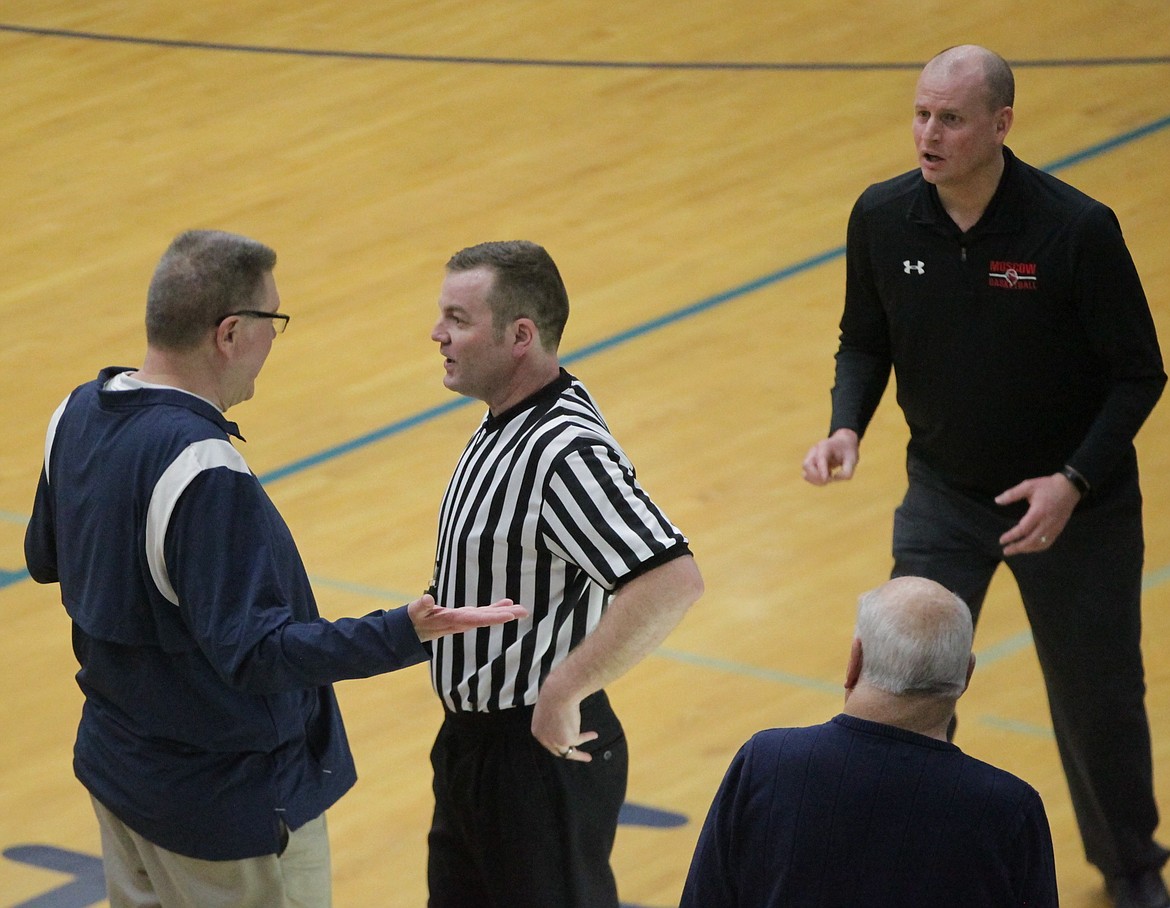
(530, 763)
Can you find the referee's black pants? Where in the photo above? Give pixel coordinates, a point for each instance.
(1083, 601)
(516, 827)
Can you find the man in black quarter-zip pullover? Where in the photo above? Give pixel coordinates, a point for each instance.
(1026, 358)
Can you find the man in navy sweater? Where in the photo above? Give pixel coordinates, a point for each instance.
(876, 807)
(210, 738)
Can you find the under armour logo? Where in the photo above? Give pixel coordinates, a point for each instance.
(916, 267)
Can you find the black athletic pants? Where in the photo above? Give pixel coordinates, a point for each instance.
(516, 827)
(1083, 601)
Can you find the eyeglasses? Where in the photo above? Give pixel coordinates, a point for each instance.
(279, 319)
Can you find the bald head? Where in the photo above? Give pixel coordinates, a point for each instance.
(916, 638)
(977, 63)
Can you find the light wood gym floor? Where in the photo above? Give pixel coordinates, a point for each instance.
(691, 167)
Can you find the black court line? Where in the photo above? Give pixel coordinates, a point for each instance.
(386, 431)
(714, 65)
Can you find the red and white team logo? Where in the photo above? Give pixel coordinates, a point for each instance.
(1012, 275)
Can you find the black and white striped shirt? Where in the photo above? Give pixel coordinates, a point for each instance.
(543, 509)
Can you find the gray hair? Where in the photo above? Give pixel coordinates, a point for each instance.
(203, 276)
(527, 284)
(915, 638)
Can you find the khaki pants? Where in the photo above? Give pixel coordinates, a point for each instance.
(139, 874)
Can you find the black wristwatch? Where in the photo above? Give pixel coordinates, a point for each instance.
(1079, 482)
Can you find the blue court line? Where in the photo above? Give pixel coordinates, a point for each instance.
(1101, 148)
(1020, 728)
(1156, 578)
(997, 652)
(984, 658)
(361, 441)
(837, 689)
(7, 578)
(989, 656)
(716, 65)
(749, 671)
(395, 428)
(609, 343)
(710, 302)
(678, 315)
(360, 589)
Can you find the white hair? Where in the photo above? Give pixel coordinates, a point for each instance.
(915, 638)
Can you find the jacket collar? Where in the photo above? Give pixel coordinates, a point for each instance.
(150, 397)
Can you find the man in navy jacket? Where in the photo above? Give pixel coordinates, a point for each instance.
(210, 737)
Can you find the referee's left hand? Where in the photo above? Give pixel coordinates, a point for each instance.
(556, 724)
